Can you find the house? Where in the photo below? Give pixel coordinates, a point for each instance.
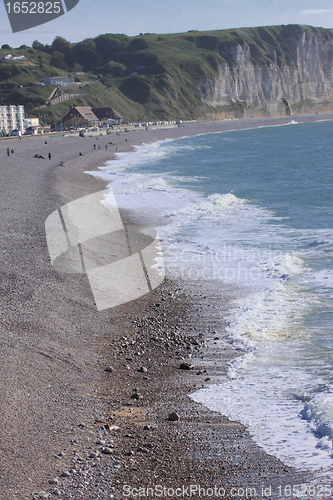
(9, 57)
(82, 116)
(107, 114)
(33, 127)
(32, 131)
(59, 81)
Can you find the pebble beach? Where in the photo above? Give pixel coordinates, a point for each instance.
(95, 403)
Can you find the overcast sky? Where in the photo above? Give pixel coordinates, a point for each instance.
(93, 17)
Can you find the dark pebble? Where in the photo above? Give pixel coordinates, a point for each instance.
(173, 417)
(186, 366)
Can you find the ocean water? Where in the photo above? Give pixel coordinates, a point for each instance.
(254, 208)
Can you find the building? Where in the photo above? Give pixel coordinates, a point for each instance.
(32, 126)
(61, 81)
(9, 57)
(107, 114)
(12, 118)
(83, 116)
(80, 116)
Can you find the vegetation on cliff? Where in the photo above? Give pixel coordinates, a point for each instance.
(146, 77)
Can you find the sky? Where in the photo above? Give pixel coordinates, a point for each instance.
(93, 17)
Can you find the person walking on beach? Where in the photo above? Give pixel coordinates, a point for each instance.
(8, 152)
(12, 151)
(49, 156)
(94, 146)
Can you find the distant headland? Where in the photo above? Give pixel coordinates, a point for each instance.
(235, 73)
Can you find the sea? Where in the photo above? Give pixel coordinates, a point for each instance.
(253, 209)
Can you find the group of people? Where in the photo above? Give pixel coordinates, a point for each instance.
(42, 157)
(62, 164)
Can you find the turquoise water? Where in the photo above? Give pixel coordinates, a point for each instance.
(254, 208)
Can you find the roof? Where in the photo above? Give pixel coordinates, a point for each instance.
(106, 113)
(83, 112)
(87, 113)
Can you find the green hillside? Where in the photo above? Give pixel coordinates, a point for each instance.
(169, 69)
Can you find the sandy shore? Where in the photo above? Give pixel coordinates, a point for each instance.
(60, 408)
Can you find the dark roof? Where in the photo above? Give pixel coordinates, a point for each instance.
(83, 112)
(87, 114)
(106, 113)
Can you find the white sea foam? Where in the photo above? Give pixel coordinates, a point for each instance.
(270, 402)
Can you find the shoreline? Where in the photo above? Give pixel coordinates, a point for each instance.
(204, 368)
(203, 447)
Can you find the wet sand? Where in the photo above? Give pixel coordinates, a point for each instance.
(60, 409)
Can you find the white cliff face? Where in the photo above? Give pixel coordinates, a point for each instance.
(308, 75)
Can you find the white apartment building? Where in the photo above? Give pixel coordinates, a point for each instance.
(12, 118)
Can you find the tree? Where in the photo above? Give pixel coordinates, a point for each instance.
(138, 43)
(108, 44)
(60, 44)
(86, 55)
(37, 45)
(6, 46)
(57, 60)
(116, 68)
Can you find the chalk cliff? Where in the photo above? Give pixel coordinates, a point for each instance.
(296, 74)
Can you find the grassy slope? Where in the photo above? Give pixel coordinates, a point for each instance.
(166, 88)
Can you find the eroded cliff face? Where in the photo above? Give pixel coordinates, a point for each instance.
(269, 88)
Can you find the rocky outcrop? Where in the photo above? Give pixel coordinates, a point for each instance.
(303, 74)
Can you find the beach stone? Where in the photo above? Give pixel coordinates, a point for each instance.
(136, 395)
(129, 453)
(53, 480)
(43, 495)
(186, 366)
(143, 369)
(107, 450)
(142, 450)
(108, 369)
(65, 473)
(56, 492)
(173, 417)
